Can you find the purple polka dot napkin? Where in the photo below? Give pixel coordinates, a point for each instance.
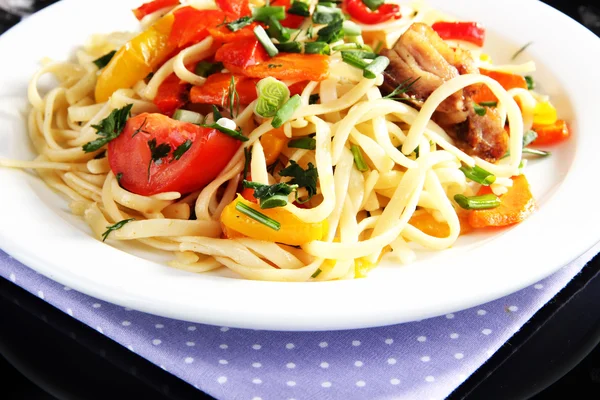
(419, 360)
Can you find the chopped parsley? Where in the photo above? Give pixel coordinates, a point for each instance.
(157, 153)
(240, 23)
(109, 128)
(104, 60)
(182, 149)
(306, 178)
(271, 196)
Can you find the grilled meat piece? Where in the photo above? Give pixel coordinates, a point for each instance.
(421, 53)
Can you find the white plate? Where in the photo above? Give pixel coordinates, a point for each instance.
(37, 228)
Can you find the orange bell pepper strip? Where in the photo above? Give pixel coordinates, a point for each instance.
(237, 8)
(427, 224)
(136, 59)
(287, 66)
(216, 88)
(153, 6)
(273, 143)
(192, 26)
(242, 53)
(517, 204)
(171, 95)
(293, 231)
(508, 81)
(551, 134)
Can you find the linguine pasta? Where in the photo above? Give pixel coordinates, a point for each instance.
(413, 164)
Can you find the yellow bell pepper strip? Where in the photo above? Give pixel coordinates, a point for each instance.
(544, 114)
(293, 231)
(272, 143)
(427, 224)
(136, 59)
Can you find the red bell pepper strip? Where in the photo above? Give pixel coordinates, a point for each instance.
(171, 95)
(551, 134)
(191, 25)
(242, 53)
(153, 6)
(291, 20)
(466, 31)
(361, 13)
(237, 8)
(216, 89)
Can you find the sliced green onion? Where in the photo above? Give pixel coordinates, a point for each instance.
(373, 4)
(272, 95)
(263, 13)
(349, 57)
(326, 15)
(306, 143)
(317, 48)
(478, 174)
(479, 110)
(489, 104)
(299, 8)
(257, 216)
(289, 47)
(206, 69)
(188, 116)
(352, 46)
(529, 137)
(361, 165)
(530, 82)
(376, 67)
(362, 54)
(534, 152)
(287, 111)
(240, 23)
(105, 59)
(351, 29)
(484, 202)
(317, 273)
(264, 39)
(314, 98)
(278, 31)
(332, 32)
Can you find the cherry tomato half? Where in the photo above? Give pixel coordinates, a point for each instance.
(168, 168)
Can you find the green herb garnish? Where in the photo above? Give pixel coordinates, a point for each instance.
(306, 143)
(104, 60)
(115, 227)
(240, 23)
(271, 196)
(157, 153)
(182, 149)
(257, 216)
(109, 128)
(478, 174)
(306, 178)
(359, 161)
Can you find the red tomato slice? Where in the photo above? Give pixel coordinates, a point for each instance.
(150, 7)
(291, 20)
(130, 155)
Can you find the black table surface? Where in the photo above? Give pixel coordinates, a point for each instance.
(45, 354)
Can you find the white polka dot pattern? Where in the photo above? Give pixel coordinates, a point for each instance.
(424, 359)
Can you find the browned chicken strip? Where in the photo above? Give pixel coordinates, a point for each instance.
(421, 53)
